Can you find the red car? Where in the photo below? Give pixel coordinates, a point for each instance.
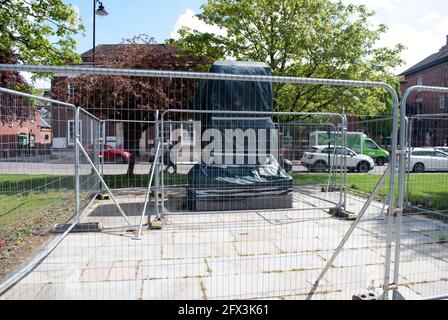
(110, 154)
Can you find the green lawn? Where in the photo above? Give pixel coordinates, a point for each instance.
(15, 208)
(361, 182)
(14, 184)
(428, 189)
(22, 194)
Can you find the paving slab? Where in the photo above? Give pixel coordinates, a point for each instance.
(96, 271)
(430, 289)
(263, 247)
(126, 253)
(355, 279)
(201, 250)
(23, 291)
(419, 271)
(354, 257)
(309, 244)
(124, 270)
(55, 274)
(239, 255)
(71, 255)
(424, 251)
(101, 290)
(173, 289)
(264, 264)
(203, 236)
(261, 234)
(173, 269)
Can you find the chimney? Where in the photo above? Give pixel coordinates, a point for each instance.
(445, 47)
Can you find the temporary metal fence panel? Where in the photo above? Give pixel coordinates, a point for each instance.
(209, 254)
(235, 143)
(37, 181)
(89, 133)
(257, 240)
(422, 230)
(122, 150)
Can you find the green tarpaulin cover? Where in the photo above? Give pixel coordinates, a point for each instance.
(265, 176)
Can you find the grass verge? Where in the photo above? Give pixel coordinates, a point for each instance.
(31, 204)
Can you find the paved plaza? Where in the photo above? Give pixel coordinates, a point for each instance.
(238, 255)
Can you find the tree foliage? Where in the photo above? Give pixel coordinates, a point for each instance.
(301, 38)
(39, 31)
(12, 79)
(132, 98)
(122, 96)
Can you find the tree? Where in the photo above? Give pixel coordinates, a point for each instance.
(301, 38)
(39, 31)
(132, 98)
(34, 32)
(13, 79)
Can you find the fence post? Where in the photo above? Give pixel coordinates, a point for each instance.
(102, 143)
(77, 186)
(344, 143)
(390, 214)
(408, 151)
(158, 166)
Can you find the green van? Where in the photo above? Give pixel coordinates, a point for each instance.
(357, 141)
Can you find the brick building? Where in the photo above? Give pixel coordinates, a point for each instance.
(114, 131)
(25, 137)
(428, 110)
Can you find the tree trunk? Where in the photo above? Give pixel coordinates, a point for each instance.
(132, 134)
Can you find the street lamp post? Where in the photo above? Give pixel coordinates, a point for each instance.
(101, 11)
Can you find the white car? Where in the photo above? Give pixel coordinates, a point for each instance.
(319, 158)
(428, 159)
(443, 149)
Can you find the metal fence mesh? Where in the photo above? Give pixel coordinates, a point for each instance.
(36, 177)
(263, 216)
(424, 230)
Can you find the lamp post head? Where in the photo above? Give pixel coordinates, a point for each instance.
(101, 11)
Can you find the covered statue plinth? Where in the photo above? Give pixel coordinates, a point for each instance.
(247, 175)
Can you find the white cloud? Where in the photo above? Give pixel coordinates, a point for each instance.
(442, 26)
(419, 43)
(39, 83)
(188, 19)
(377, 4)
(421, 31)
(429, 17)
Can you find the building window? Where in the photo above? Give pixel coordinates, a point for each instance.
(420, 81)
(442, 102)
(71, 132)
(71, 90)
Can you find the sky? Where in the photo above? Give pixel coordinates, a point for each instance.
(421, 26)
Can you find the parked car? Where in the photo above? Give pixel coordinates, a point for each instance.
(428, 159)
(318, 159)
(357, 141)
(111, 154)
(444, 149)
